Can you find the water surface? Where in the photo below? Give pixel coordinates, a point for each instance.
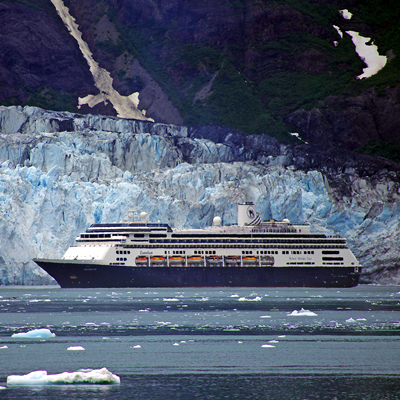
(215, 343)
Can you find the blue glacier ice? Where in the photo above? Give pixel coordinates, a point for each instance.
(60, 172)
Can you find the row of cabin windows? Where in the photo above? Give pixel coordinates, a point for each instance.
(121, 259)
(147, 246)
(298, 252)
(123, 252)
(205, 252)
(203, 241)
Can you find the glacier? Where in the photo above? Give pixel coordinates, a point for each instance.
(60, 172)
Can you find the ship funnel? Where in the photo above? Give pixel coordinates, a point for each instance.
(247, 214)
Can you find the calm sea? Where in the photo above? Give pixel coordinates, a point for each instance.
(201, 343)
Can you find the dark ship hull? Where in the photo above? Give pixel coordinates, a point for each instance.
(75, 274)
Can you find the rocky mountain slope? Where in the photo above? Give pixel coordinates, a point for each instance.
(61, 171)
(257, 66)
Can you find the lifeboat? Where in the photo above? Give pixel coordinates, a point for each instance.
(250, 260)
(267, 261)
(157, 260)
(176, 260)
(232, 260)
(195, 259)
(214, 260)
(142, 260)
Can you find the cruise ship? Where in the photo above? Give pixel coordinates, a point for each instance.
(253, 253)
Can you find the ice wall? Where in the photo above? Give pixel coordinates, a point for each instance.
(60, 172)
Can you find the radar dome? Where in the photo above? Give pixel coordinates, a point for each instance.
(143, 215)
(217, 221)
(286, 221)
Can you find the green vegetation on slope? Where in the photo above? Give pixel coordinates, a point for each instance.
(276, 87)
(387, 150)
(256, 82)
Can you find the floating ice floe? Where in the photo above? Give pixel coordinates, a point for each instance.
(267, 346)
(4, 347)
(35, 333)
(273, 341)
(302, 313)
(258, 298)
(96, 376)
(76, 348)
(172, 299)
(265, 316)
(137, 346)
(2, 387)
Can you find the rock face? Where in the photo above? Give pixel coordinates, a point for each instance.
(351, 122)
(244, 64)
(36, 52)
(59, 172)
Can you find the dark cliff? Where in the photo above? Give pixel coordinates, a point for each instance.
(263, 66)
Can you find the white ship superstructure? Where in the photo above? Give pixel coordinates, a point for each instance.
(251, 243)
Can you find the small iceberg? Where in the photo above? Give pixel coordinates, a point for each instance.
(96, 376)
(4, 347)
(267, 346)
(35, 333)
(2, 387)
(76, 348)
(257, 298)
(137, 346)
(302, 313)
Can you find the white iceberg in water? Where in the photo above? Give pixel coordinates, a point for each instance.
(75, 348)
(35, 333)
(257, 298)
(97, 376)
(302, 313)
